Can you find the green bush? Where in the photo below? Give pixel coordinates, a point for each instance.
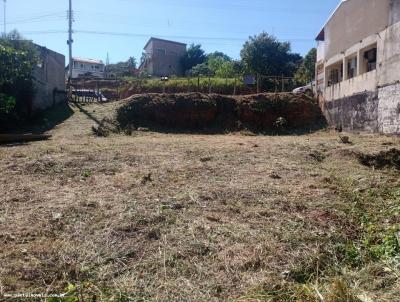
(18, 58)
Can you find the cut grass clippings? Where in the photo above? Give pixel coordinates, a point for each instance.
(193, 217)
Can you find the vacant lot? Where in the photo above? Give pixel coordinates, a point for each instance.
(181, 217)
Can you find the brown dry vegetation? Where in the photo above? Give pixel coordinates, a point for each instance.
(184, 217)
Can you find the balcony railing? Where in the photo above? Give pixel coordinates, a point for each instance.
(364, 82)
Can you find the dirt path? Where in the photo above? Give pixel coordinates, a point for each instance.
(180, 217)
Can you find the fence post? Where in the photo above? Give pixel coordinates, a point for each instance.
(209, 84)
(234, 87)
(283, 84)
(258, 83)
(83, 92)
(198, 84)
(188, 87)
(76, 92)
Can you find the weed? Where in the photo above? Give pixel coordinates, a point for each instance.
(281, 123)
(86, 173)
(317, 155)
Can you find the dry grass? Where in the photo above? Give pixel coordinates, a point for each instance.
(179, 217)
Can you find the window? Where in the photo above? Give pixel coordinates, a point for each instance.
(97, 67)
(370, 57)
(82, 66)
(352, 68)
(335, 74)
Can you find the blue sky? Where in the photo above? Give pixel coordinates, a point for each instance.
(122, 27)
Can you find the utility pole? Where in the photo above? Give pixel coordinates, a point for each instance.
(107, 63)
(70, 41)
(5, 23)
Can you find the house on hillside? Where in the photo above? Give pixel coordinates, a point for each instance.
(163, 57)
(358, 66)
(49, 80)
(88, 68)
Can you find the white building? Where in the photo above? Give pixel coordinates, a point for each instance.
(358, 66)
(87, 68)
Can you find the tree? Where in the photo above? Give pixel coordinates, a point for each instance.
(18, 58)
(219, 63)
(123, 68)
(200, 70)
(264, 54)
(194, 55)
(306, 72)
(132, 62)
(218, 54)
(143, 58)
(215, 63)
(238, 67)
(226, 70)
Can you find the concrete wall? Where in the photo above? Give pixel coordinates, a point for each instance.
(394, 15)
(377, 111)
(389, 56)
(358, 112)
(389, 109)
(362, 83)
(353, 21)
(49, 79)
(168, 63)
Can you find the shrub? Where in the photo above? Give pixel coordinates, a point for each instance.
(17, 57)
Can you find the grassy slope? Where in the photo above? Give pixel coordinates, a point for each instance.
(172, 217)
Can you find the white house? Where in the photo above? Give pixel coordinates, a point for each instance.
(358, 66)
(87, 68)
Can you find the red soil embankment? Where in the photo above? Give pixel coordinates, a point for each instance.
(197, 111)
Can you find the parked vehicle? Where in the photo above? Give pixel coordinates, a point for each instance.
(307, 89)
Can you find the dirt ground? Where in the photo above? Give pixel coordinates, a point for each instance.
(182, 217)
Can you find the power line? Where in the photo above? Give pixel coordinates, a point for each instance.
(206, 41)
(209, 40)
(244, 6)
(44, 32)
(47, 20)
(37, 17)
(229, 39)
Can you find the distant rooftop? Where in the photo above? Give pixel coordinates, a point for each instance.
(92, 61)
(162, 40)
